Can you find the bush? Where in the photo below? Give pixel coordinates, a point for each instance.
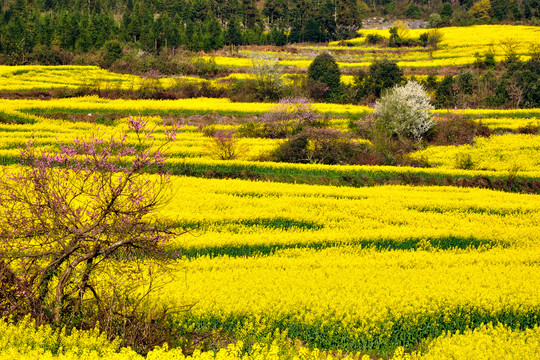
(464, 161)
(289, 117)
(325, 146)
(402, 112)
(225, 145)
(325, 70)
(434, 21)
(374, 39)
(413, 11)
(457, 130)
(112, 51)
(383, 74)
(465, 81)
(346, 32)
(267, 73)
(363, 128)
(445, 96)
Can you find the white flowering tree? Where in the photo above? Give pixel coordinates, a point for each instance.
(403, 111)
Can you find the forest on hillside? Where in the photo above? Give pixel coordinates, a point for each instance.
(54, 32)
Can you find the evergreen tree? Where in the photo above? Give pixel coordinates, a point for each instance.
(324, 70)
(213, 35)
(312, 32)
(295, 35)
(348, 13)
(233, 34)
(250, 13)
(327, 20)
(84, 41)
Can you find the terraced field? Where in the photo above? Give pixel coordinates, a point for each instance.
(314, 261)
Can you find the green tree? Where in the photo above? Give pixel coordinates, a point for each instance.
(213, 34)
(112, 51)
(312, 33)
(384, 74)
(233, 34)
(324, 70)
(348, 13)
(250, 13)
(481, 10)
(446, 12)
(413, 11)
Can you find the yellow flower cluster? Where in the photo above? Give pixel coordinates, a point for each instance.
(486, 342)
(25, 341)
(489, 155)
(231, 214)
(358, 269)
(94, 104)
(496, 153)
(310, 238)
(457, 48)
(357, 300)
(41, 77)
(509, 123)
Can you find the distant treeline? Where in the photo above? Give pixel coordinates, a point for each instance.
(30, 28)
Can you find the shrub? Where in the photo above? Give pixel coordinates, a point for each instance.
(399, 35)
(434, 38)
(434, 21)
(112, 51)
(325, 146)
(382, 75)
(225, 145)
(325, 70)
(464, 161)
(446, 12)
(457, 129)
(267, 72)
(363, 128)
(465, 80)
(289, 117)
(481, 10)
(346, 32)
(374, 39)
(445, 94)
(403, 112)
(413, 11)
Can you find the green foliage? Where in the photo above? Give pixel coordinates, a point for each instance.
(324, 146)
(268, 78)
(519, 85)
(112, 51)
(413, 11)
(444, 94)
(313, 32)
(213, 38)
(434, 21)
(464, 81)
(324, 70)
(233, 34)
(446, 12)
(481, 10)
(374, 39)
(382, 75)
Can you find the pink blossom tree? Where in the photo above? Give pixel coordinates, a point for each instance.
(64, 215)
